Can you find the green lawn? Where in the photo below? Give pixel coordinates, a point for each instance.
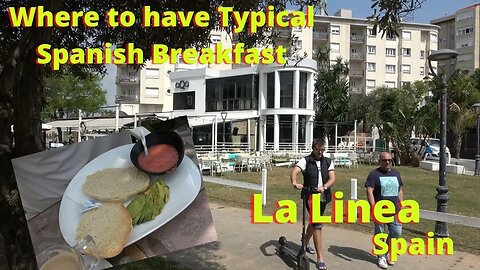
(419, 185)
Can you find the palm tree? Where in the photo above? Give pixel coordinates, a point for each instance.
(331, 92)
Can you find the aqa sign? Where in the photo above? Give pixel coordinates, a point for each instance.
(182, 84)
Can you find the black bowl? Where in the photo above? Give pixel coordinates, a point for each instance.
(159, 137)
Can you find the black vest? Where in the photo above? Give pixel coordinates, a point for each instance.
(310, 174)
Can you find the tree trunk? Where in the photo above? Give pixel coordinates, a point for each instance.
(457, 144)
(21, 94)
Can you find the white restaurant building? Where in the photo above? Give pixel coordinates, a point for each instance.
(270, 107)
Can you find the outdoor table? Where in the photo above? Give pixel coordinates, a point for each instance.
(193, 226)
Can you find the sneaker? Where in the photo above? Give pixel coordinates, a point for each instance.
(310, 249)
(382, 262)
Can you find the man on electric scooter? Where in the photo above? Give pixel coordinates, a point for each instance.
(318, 171)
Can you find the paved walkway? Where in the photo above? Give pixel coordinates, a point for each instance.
(242, 245)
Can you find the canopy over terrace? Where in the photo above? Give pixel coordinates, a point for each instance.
(111, 124)
(92, 123)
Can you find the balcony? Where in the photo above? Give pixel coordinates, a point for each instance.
(357, 39)
(127, 99)
(317, 35)
(127, 80)
(356, 57)
(283, 32)
(357, 90)
(357, 73)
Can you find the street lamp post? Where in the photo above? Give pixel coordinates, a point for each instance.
(224, 116)
(441, 229)
(476, 106)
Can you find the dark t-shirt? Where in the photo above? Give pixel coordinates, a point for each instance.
(386, 185)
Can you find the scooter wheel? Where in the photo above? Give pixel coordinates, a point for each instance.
(282, 240)
(303, 263)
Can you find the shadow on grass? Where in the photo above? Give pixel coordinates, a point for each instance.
(202, 257)
(350, 254)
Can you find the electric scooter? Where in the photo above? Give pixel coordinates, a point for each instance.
(300, 256)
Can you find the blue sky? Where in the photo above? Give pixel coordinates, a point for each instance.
(431, 9)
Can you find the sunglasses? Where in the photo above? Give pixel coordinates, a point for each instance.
(387, 160)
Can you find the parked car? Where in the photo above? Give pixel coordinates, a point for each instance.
(434, 145)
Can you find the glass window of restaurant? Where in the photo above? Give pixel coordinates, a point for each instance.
(286, 89)
(302, 94)
(184, 100)
(285, 126)
(269, 126)
(302, 128)
(271, 90)
(232, 93)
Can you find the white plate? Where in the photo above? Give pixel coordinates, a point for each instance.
(184, 184)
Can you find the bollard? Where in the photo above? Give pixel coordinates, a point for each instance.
(353, 189)
(264, 186)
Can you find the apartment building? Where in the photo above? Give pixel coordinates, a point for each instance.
(461, 32)
(374, 60)
(271, 107)
(148, 89)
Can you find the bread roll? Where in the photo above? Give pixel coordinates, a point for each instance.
(115, 184)
(109, 225)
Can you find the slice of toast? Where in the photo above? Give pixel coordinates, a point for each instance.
(115, 184)
(109, 225)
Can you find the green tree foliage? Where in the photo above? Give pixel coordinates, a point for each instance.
(21, 80)
(397, 111)
(66, 94)
(389, 14)
(331, 93)
(357, 110)
(461, 95)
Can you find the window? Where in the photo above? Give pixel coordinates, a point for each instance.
(371, 66)
(464, 43)
(371, 49)
(297, 44)
(354, 54)
(335, 29)
(271, 90)
(406, 69)
(151, 92)
(464, 30)
(406, 35)
(370, 83)
(232, 93)
(335, 47)
(433, 38)
(422, 71)
(184, 100)
(297, 29)
(390, 68)
(406, 84)
(286, 89)
(370, 32)
(406, 52)
(151, 73)
(390, 51)
(215, 38)
(422, 54)
(302, 91)
(390, 84)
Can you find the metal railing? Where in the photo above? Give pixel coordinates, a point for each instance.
(127, 79)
